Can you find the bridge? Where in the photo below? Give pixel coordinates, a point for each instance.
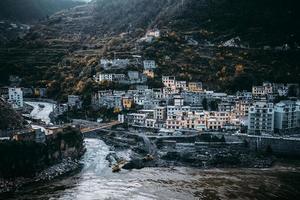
(102, 126)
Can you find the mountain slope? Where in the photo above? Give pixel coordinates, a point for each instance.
(31, 10)
(259, 22)
(62, 52)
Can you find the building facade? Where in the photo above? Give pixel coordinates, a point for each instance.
(286, 115)
(15, 97)
(261, 118)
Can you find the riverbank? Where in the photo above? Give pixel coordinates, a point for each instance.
(26, 162)
(202, 151)
(97, 181)
(65, 167)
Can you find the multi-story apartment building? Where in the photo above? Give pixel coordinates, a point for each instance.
(244, 95)
(193, 98)
(195, 86)
(175, 110)
(149, 64)
(241, 108)
(115, 63)
(225, 107)
(263, 90)
(181, 85)
(137, 119)
(261, 118)
(15, 97)
(160, 113)
(258, 91)
(186, 120)
(100, 77)
(216, 120)
(169, 81)
(135, 77)
(178, 100)
(286, 115)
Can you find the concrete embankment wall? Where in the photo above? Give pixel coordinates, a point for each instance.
(40, 100)
(280, 146)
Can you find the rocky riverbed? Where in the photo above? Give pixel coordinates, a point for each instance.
(97, 181)
(55, 171)
(153, 153)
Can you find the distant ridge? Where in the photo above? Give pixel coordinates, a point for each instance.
(26, 11)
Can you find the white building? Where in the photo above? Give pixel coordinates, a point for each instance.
(160, 113)
(186, 120)
(286, 115)
(153, 33)
(100, 77)
(263, 90)
(136, 77)
(181, 85)
(169, 81)
(149, 64)
(261, 118)
(241, 108)
(15, 97)
(225, 107)
(178, 100)
(177, 110)
(115, 63)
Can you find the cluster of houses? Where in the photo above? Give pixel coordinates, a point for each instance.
(132, 77)
(179, 105)
(14, 95)
(37, 134)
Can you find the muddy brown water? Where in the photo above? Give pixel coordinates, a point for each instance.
(96, 181)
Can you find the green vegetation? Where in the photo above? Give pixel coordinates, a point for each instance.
(9, 118)
(53, 55)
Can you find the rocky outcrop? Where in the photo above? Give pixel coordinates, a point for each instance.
(9, 118)
(26, 159)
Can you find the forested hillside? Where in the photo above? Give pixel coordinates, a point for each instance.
(258, 22)
(9, 118)
(63, 51)
(32, 10)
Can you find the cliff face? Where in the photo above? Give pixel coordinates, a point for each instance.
(25, 159)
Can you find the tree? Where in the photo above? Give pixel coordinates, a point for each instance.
(292, 91)
(204, 104)
(213, 105)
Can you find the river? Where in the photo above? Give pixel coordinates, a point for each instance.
(96, 181)
(41, 110)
